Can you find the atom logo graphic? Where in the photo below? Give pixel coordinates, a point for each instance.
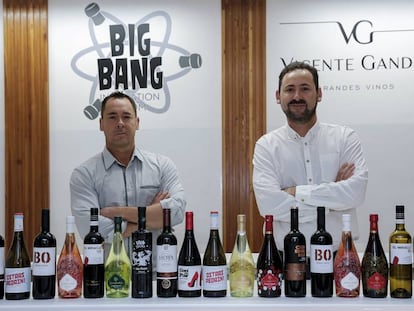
(150, 98)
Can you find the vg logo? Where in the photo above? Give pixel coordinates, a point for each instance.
(361, 32)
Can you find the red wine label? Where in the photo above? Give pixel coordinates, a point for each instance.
(189, 278)
(295, 271)
(44, 261)
(321, 258)
(377, 281)
(93, 254)
(267, 279)
(17, 280)
(167, 258)
(214, 278)
(401, 254)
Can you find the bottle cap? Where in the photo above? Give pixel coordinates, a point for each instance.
(373, 217)
(346, 222)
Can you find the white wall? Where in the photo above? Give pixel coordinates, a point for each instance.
(189, 131)
(383, 116)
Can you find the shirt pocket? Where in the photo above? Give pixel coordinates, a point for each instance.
(147, 194)
(329, 166)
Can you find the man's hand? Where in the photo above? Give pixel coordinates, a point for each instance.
(345, 171)
(290, 190)
(160, 196)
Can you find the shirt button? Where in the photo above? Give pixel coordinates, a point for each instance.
(310, 179)
(303, 200)
(307, 161)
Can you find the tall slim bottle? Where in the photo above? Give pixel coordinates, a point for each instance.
(347, 268)
(189, 263)
(18, 273)
(93, 259)
(1, 267)
(321, 259)
(242, 267)
(142, 258)
(269, 264)
(70, 266)
(167, 278)
(44, 261)
(117, 265)
(214, 274)
(374, 266)
(401, 257)
(295, 258)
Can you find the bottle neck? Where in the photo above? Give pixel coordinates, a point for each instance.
(18, 223)
(269, 225)
(189, 221)
(45, 220)
(321, 219)
(166, 220)
(294, 219)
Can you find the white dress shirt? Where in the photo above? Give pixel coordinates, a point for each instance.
(284, 159)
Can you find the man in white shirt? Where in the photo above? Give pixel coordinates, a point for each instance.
(308, 164)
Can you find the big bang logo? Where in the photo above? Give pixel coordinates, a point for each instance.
(137, 59)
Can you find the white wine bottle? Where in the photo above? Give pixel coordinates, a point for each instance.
(241, 275)
(401, 256)
(117, 266)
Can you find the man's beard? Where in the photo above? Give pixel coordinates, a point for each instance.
(304, 117)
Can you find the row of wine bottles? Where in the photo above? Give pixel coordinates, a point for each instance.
(187, 275)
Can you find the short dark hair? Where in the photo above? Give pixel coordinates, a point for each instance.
(299, 65)
(118, 94)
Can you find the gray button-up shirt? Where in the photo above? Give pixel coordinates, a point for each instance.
(102, 181)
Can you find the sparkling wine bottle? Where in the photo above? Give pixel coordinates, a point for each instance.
(374, 266)
(347, 268)
(17, 273)
(167, 259)
(269, 264)
(214, 274)
(321, 259)
(1, 267)
(189, 263)
(93, 262)
(241, 275)
(295, 259)
(44, 261)
(70, 266)
(142, 258)
(117, 265)
(401, 253)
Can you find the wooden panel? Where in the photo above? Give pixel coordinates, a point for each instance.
(244, 108)
(26, 114)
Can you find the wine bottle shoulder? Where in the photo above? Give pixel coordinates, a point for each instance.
(321, 238)
(44, 239)
(93, 238)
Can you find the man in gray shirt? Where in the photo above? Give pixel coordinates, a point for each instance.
(123, 177)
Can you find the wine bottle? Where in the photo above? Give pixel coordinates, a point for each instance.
(44, 261)
(269, 264)
(401, 253)
(18, 271)
(295, 259)
(1, 267)
(241, 275)
(374, 266)
(214, 274)
(347, 268)
(321, 259)
(167, 278)
(70, 266)
(142, 258)
(117, 265)
(93, 259)
(189, 263)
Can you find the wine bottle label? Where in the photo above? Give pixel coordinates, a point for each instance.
(67, 282)
(269, 280)
(214, 278)
(295, 271)
(93, 254)
(401, 254)
(17, 280)
(167, 258)
(142, 255)
(321, 258)
(189, 277)
(1, 260)
(377, 281)
(44, 261)
(116, 282)
(350, 281)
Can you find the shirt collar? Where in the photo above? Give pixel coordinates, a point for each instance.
(109, 159)
(312, 133)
